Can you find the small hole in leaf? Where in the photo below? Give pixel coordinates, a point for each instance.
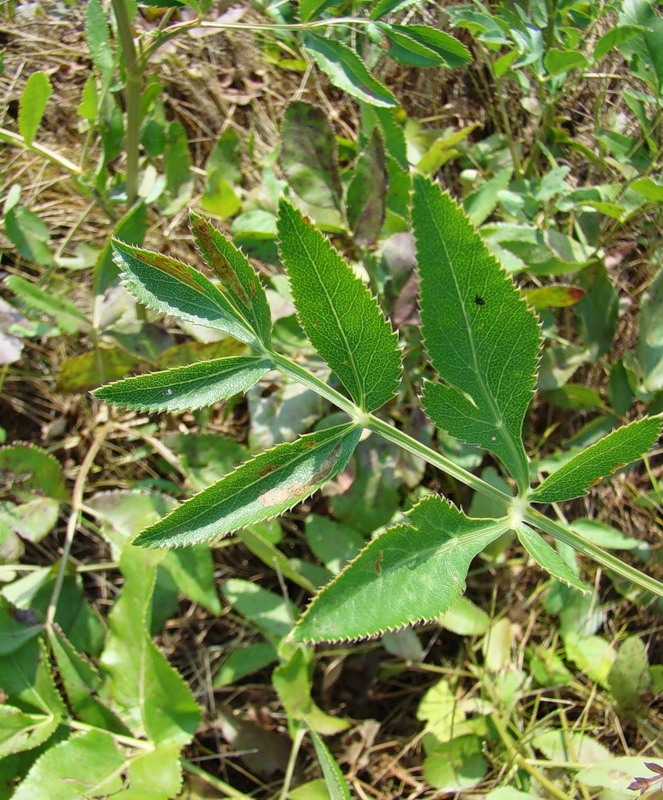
(479, 300)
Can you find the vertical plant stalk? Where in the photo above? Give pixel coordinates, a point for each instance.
(133, 70)
(74, 516)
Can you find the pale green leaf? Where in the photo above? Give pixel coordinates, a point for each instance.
(311, 9)
(192, 570)
(465, 619)
(480, 335)
(367, 193)
(383, 7)
(253, 539)
(590, 466)
(481, 203)
(89, 100)
(22, 730)
(237, 278)
(563, 747)
(68, 318)
(456, 764)
(423, 46)
(650, 189)
(170, 287)
(186, 388)
(617, 35)
(259, 489)
(334, 780)
(31, 109)
(629, 677)
(244, 661)
(617, 774)
(338, 313)
(347, 71)
(272, 614)
(645, 48)
(649, 350)
(98, 38)
(308, 155)
(153, 694)
(548, 558)
(85, 766)
(153, 775)
(31, 469)
(411, 573)
(591, 654)
(293, 686)
(81, 681)
(560, 61)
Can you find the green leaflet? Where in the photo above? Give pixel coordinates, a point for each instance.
(548, 558)
(589, 467)
(238, 280)
(347, 71)
(338, 313)
(37, 91)
(67, 317)
(257, 490)
(89, 765)
(412, 572)
(186, 388)
(367, 192)
(334, 780)
(480, 335)
(308, 156)
(423, 46)
(142, 681)
(170, 287)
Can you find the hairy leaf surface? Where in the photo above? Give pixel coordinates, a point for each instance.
(186, 388)
(412, 572)
(259, 489)
(481, 337)
(338, 313)
(239, 281)
(577, 476)
(171, 287)
(308, 156)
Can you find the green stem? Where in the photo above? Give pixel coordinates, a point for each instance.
(127, 741)
(385, 430)
(133, 69)
(594, 552)
(212, 780)
(50, 155)
(292, 761)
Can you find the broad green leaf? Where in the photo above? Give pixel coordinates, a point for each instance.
(271, 614)
(86, 371)
(68, 318)
(480, 335)
(629, 677)
(31, 109)
(548, 558)
(192, 570)
(22, 730)
(338, 313)
(562, 747)
(560, 61)
(481, 203)
(589, 467)
(346, 70)
(614, 37)
(81, 681)
(237, 278)
(153, 775)
(649, 350)
(293, 686)
(334, 780)
(333, 543)
(259, 489)
(456, 764)
(411, 573)
(31, 469)
(650, 189)
(617, 774)
(308, 156)
(171, 287)
(98, 38)
(423, 46)
(84, 766)
(645, 48)
(142, 681)
(186, 388)
(29, 234)
(367, 193)
(465, 619)
(244, 661)
(591, 654)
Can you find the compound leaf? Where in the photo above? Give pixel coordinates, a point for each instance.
(338, 313)
(481, 337)
(171, 287)
(308, 155)
(238, 280)
(548, 558)
(589, 467)
(346, 70)
(186, 388)
(411, 573)
(257, 490)
(37, 91)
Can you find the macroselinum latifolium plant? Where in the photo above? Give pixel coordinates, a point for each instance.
(483, 344)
